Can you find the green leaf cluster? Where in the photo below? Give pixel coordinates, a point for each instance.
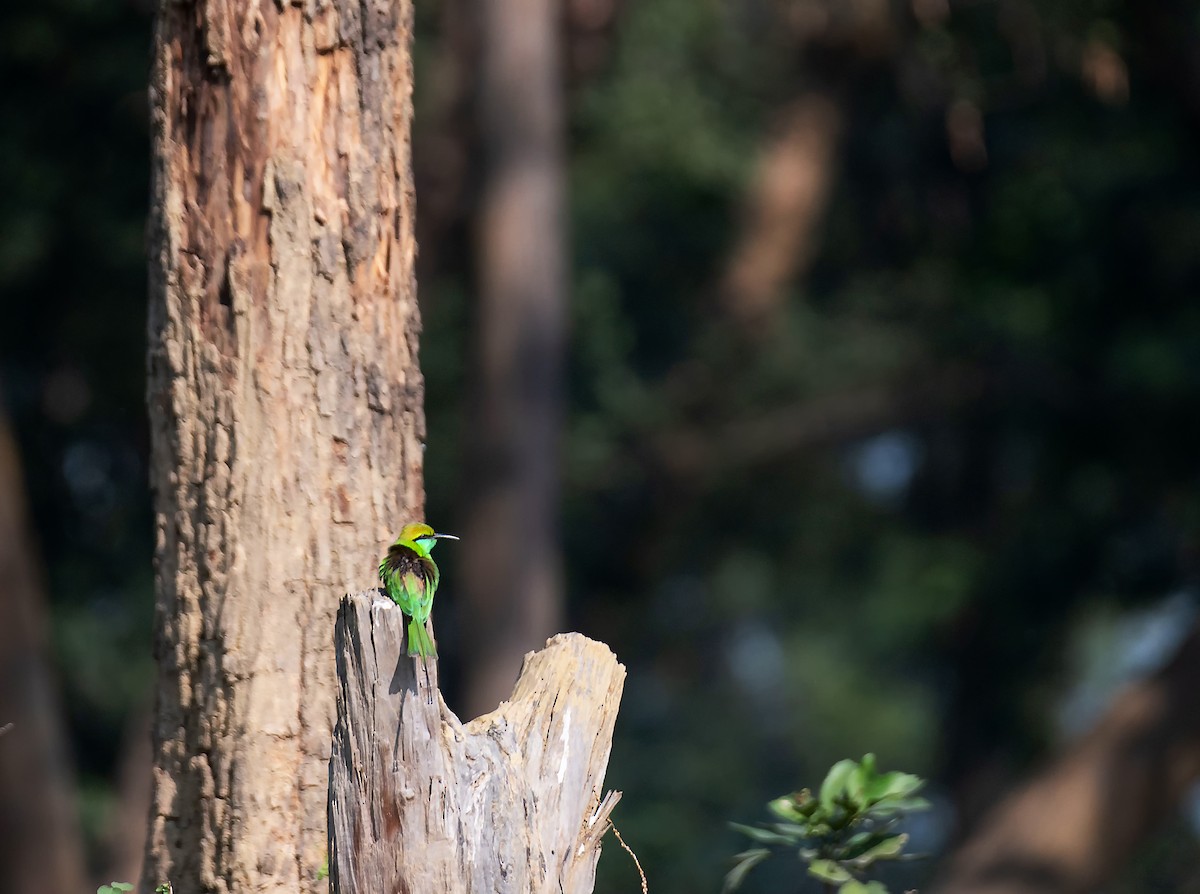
(842, 831)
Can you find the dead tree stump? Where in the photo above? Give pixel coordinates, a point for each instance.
(510, 802)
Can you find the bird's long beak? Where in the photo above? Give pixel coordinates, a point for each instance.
(444, 537)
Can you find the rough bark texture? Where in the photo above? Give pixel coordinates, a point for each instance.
(511, 582)
(285, 408)
(41, 851)
(510, 802)
(1069, 829)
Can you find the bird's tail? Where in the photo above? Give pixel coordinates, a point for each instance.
(420, 643)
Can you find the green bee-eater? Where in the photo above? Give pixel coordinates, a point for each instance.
(410, 578)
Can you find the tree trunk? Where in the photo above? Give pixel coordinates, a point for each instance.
(285, 409)
(785, 204)
(41, 850)
(124, 841)
(511, 583)
(510, 802)
(1068, 830)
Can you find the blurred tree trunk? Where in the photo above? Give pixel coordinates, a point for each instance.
(41, 850)
(1071, 828)
(125, 836)
(786, 201)
(445, 163)
(512, 590)
(285, 409)
(797, 165)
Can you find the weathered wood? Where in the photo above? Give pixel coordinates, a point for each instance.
(510, 802)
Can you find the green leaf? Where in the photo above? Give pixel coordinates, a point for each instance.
(792, 830)
(796, 807)
(888, 849)
(834, 785)
(114, 888)
(839, 818)
(888, 806)
(743, 863)
(858, 781)
(893, 785)
(829, 871)
(763, 836)
(164, 888)
(861, 842)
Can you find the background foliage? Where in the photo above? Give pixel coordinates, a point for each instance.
(1009, 251)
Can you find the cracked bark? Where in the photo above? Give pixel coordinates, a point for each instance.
(285, 408)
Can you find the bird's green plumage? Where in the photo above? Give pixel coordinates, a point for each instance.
(410, 578)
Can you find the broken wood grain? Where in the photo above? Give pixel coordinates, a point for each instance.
(510, 802)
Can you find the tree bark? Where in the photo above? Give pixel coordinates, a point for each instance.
(285, 408)
(510, 802)
(511, 583)
(1068, 830)
(41, 850)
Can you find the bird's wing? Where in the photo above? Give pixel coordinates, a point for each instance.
(421, 581)
(432, 575)
(411, 580)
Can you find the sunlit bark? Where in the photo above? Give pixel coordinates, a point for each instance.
(285, 409)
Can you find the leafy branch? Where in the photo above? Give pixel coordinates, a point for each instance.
(841, 832)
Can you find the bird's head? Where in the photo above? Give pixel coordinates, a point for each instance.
(421, 537)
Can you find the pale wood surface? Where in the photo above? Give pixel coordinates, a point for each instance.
(510, 802)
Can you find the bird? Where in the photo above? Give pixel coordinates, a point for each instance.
(410, 578)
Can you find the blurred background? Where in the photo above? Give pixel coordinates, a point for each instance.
(881, 399)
